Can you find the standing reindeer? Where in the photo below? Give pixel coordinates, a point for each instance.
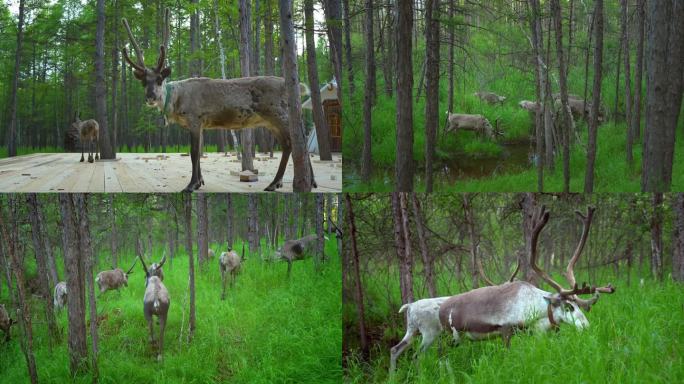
(501, 309)
(201, 103)
(60, 296)
(295, 250)
(229, 262)
(113, 279)
(88, 130)
(155, 303)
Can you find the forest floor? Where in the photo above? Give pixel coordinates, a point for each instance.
(634, 337)
(268, 330)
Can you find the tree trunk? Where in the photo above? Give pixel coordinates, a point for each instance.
(432, 87)
(113, 238)
(329, 212)
(322, 129)
(664, 92)
(115, 74)
(528, 205)
(252, 227)
(12, 139)
(678, 238)
(187, 203)
(428, 261)
(596, 100)
(24, 311)
(567, 124)
(535, 26)
(628, 84)
(358, 288)
(635, 124)
(73, 267)
(268, 41)
(106, 151)
(348, 45)
(202, 229)
(657, 237)
(333, 18)
(404, 153)
(403, 245)
(302, 181)
(369, 96)
(86, 251)
(246, 135)
(474, 241)
(320, 245)
(46, 286)
(452, 43)
(229, 220)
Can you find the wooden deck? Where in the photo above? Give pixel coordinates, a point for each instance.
(151, 172)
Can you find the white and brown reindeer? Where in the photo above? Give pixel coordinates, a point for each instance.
(297, 249)
(113, 279)
(156, 302)
(60, 296)
(88, 132)
(475, 123)
(501, 309)
(201, 103)
(229, 263)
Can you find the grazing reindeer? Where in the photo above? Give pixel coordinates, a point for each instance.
(113, 279)
(155, 303)
(475, 123)
(201, 103)
(423, 316)
(500, 309)
(5, 322)
(88, 130)
(60, 295)
(293, 250)
(490, 98)
(229, 262)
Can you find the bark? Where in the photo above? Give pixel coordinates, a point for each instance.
(369, 96)
(73, 267)
(678, 238)
(24, 311)
(432, 87)
(252, 225)
(329, 212)
(333, 18)
(115, 74)
(268, 41)
(452, 43)
(45, 286)
(113, 238)
(229, 220)
(86, 251)
(635, 124)
(187, 203)
(106, 150)
(348, 45)
(664, 92)
(428, 261)
(12, 139)
(528, 205)
(246, 135)
(657, 236)
(628, 80)
(474, 241)
(202, 228)
(322, 129)
(535, 26)
(320, 245)
(358, 288)
(403, 246)
(302, 181)
(404, 152)
(194, 68)
(596, 101)
(565, 108)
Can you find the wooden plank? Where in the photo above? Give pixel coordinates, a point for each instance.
(97, 183)
(111, 180)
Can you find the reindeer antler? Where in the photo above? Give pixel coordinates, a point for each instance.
(132, 266)
(165, 42)
(140, 66)
(139, 251)
(163, 259)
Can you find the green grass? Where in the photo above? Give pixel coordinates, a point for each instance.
(635, 336)
(268, 330)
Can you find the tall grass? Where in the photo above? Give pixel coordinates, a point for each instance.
(268, 330)
(635, 336)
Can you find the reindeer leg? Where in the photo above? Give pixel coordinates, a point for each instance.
(162, 326)
(223, 282)
(399, 348)
(194, 156)
(97, 147)
(289, 267)
(278, 180)
(82, 150)
(90, 151)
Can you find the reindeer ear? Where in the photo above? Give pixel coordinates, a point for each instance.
(140, 75)
(166, 72)
(553, 300)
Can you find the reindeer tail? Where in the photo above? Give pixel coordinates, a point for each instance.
(404, 307)
(304, 90)
(156, 304)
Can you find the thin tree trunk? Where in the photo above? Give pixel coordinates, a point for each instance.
(635, 124)
(252, 227)
(474, 242)
(535, 26)
(403, 246)
(187, 203)
(302, 181)
(428, 261)
(333, 18)
(678, 238)
(106, 151)
(369, 96)
(12, 139)
(596, 102)
(320, 245)
(246, 135)
(115, 74)
(113, 237)
(404, 153)
(229, 220)
(202, 228)
(348, 45)
(358, 288)
(528, 205)
(628, 84)
(452, 43)
(565, 107)
(657, 236)
(432, 87)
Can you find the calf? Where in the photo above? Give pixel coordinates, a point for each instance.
(5, 322)
(293, 250)
(88, 131)
(474, 123)
(229, 262)
(490, 98)
(60, 296)
(113, 279)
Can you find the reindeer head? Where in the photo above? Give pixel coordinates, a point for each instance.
(566, 298)
(156, 268)
(152, 79)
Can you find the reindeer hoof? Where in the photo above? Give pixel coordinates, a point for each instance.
(313, 184)
(90, 159)
(82, 159)
(97, 157)
(193, 186)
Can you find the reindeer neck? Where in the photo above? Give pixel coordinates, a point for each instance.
(168, 89)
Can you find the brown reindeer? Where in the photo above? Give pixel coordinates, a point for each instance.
(88, 131)
(229, 263)
(201, 103)
(156, 302)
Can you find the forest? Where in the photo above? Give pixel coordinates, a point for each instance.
(75, 61)
(524, 95)
(273, 325)
(400, 248)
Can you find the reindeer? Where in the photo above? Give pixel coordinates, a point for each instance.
(229, 262)
(499, 310)
(293, 250)
(6, 322)
(60, 295)
(490, 98)
(88, 130)
(202, 103)
(475, 123)
(113, 279)
(423, 316)
(156, 302)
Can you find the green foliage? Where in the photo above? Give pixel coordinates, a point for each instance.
(268, 330)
